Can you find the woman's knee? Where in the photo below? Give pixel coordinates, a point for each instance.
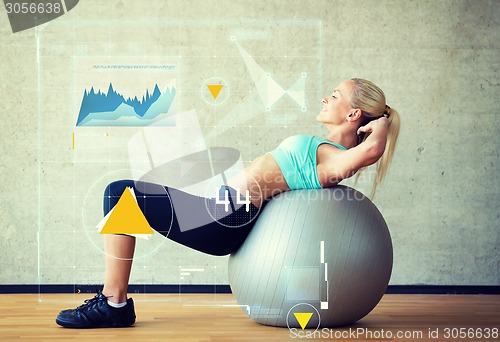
(116, 188)
(113, 192)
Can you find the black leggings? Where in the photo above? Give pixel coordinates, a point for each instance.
(197, 222)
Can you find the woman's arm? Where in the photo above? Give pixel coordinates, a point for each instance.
(374, 145)
(344, 164)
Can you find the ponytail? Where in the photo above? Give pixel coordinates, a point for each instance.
(371, 100)
(385, 161)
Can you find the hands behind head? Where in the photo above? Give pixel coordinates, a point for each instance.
(374, 125)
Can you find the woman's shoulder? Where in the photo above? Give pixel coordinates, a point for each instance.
(298, 139)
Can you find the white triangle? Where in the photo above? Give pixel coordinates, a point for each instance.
(274, 91)
(297, 91)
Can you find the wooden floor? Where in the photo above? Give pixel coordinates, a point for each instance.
(162, 317)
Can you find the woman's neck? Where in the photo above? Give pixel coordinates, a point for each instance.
(346, 138)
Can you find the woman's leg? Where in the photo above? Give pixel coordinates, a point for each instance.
(219, 228)
(109, 308)
(118, 249)
(119, 253)
(219, 232)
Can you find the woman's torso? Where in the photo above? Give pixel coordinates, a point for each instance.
(264, 178)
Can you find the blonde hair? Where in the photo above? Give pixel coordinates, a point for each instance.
(371, 100)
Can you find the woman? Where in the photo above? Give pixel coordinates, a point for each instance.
(362, 131)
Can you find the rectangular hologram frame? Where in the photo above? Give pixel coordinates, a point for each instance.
(72, 159)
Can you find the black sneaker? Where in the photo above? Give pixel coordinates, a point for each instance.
(97, 313)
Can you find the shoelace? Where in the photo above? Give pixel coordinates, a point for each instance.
(93, 302)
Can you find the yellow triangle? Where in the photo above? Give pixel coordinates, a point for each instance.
(215, 89)
(303, 318)
(127, 217)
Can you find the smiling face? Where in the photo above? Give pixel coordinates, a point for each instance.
(336, 107)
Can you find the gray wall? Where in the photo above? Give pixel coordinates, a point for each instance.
(437, 62)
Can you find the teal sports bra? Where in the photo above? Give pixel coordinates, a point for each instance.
(296, 157)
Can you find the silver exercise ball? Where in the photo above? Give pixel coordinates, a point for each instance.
(327, 252)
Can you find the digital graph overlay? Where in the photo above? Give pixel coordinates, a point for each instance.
(122, 91)
(136, 64)
(112, 109)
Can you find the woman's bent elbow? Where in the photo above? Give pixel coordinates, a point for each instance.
(373, 154)
(376, 150)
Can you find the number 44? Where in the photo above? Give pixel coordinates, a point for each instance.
(239, 200)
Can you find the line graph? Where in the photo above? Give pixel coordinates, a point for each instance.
(112, 109)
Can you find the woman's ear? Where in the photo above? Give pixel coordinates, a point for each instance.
(354, 115)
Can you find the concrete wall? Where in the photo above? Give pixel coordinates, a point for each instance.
(437, 61)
